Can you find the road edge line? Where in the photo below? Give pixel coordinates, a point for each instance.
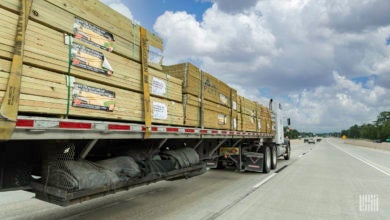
(367, 162)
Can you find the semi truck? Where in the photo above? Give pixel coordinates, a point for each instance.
(67, 160)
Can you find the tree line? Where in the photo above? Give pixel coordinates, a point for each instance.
(379, 129)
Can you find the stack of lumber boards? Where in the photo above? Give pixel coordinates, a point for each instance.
(253, 116)
(211, 103)
(82, 59)
(207, 100)
(105, 74)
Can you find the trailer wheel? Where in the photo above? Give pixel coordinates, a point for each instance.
(274, 158)
(266, 159)
(287, 154)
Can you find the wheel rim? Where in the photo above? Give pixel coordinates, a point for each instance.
(268, 159)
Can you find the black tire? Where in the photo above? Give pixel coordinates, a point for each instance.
(288, 153)
(274, 158)
(266, 159)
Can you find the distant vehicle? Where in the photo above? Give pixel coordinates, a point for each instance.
(382, 140)
(319, 139)
(305, 140)
(311, 141)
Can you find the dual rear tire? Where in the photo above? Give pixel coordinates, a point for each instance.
(270, 158)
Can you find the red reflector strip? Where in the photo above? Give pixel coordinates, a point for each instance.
(64, 124)
(24, 123)
(232, 132)
(203, 131)
(172, 130)
(214, 132)
(189, 130)
(154, 128)
(119, 127)
(224, 132)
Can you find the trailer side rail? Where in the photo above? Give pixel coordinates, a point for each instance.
(41, 128)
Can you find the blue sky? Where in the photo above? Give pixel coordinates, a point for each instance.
(329, 62)
(147, 11)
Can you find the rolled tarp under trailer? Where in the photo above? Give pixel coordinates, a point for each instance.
(68, 181)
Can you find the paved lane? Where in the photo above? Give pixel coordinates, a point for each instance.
(325, 184)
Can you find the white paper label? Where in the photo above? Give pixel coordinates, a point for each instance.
(234, 105)
(223, 99)
(158, 86)
(234, 124)
(160, 111)
(259, 125)
(221, 119)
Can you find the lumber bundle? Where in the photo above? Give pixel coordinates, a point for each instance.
(83, 59)
(248, 114)
(207, 100)
(43, 91)
(215, 115)
(97, 51)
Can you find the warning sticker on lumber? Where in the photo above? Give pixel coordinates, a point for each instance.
(93, 98)
(158, 86)
(89, 59)
(93, 34)
(221, 119)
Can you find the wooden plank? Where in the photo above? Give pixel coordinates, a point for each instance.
(215, 115)
(45, 48)
(145, 81)
(191, 76)
(91, 10)
(45, 93)
(10, 103)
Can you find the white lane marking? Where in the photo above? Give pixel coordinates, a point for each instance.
(369, 163)
(264, 181)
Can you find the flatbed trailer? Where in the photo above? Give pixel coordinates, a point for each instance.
(36, 140)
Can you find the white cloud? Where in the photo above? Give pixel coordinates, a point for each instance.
(307, 50)
(336, 106)
(120, 7)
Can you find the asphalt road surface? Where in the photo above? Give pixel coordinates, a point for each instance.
(327, 180)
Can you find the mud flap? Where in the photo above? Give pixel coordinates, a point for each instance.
(253, 161)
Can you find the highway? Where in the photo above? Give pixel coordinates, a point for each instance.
(327, 180)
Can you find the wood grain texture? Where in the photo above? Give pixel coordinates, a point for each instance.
(45, 93)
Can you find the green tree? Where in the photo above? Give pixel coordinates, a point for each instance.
(383, 117)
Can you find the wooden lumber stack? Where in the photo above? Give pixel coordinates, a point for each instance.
(103, 56)
(248, 114)
(207, 100)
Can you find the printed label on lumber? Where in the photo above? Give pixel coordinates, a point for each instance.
(93, 98)
(234, 123)
(221, 119)
(234, 105)
(89, 59)
(158, 86)
(223, 99)
(93, 35)
(160, 111)
(209, 88)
